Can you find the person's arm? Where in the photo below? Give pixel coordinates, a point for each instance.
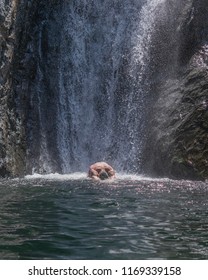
(93, 173)
(96, 178)
(110, 171)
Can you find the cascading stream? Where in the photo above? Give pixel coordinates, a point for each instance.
(103, 82)
(92, 95)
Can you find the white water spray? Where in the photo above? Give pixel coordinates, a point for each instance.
(98, 119)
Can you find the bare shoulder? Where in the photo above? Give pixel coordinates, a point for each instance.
(99, 164)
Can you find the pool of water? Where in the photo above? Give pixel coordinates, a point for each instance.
(71, 217)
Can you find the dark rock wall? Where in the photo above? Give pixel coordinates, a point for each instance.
(35, 79)
(29, 44)
(178, 130)
(11, 130)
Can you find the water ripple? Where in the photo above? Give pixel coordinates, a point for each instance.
(45, 218)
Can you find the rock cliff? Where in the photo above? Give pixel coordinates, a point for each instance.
(11, 129)
(178, 130)
(29, 39)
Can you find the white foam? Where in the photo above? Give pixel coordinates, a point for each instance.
(138, 177)
(57, 176)
(83, 176)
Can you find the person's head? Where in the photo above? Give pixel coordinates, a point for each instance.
(103, 175)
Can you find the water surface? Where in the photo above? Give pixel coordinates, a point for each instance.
(71, 217)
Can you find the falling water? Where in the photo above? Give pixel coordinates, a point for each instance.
(103, 82)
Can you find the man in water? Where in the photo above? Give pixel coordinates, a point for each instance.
(101, 171)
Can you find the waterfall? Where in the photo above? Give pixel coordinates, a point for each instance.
(103, 82)
(103, 77)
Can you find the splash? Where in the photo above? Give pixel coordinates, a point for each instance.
(58, 177)
(80, 176)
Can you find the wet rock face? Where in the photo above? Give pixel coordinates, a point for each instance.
(11, 144)
(35, 79)
(12, 129)
(29, 32)
(179, 127)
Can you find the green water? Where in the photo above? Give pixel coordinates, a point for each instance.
(129, 218)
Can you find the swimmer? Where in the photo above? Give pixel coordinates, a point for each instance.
(101, 171)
